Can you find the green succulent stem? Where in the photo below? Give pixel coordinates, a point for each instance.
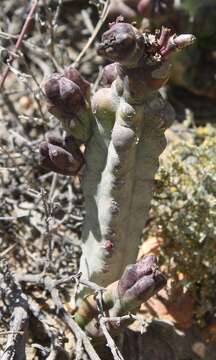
(123, 129)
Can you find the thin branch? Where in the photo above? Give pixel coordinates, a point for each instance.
(110, 342)
(8, 250)
(17, 302)
(47, 210)
(50, 285)
(19, 40)
(100, 23)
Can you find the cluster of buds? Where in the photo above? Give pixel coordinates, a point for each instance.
(66, 92)
(149, 52)
(139, 282)
(68, 99)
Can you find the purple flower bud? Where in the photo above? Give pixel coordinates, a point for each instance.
(45, 160)
(64, 94)
(109, 74)
(119, 42)
(60, 156)
(54, 139)
(51, 87)
(70, 94)
(74, 75)
(141, 280)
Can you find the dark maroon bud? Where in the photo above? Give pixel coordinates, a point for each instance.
(62, 159)
(141, 280)
(74, 75)
(64, 94)
(144, 288)
(68, 143)
(128, 279)
(147, 286)
(134, 272)
(109, 74)
(51, 87)
(118, 43)
(54, 139)
(45, 160)
(55, 156)
(70, 95)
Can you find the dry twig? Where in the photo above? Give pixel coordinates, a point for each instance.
(100, 23)
(17, 302)
(19, 41)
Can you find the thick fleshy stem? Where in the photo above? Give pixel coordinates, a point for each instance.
(123, 128)
(131, 117)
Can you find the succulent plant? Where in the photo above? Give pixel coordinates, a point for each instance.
(122, 127)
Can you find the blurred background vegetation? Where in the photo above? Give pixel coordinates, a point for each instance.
(183, 215)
